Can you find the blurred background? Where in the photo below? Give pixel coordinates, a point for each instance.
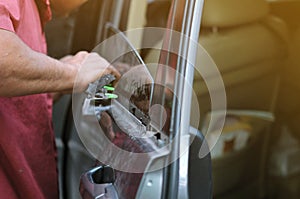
(255, 45)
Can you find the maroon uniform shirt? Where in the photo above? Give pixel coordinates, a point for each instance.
(27, 149)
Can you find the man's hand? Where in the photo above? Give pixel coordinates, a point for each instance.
(90, 68)
(24, 71)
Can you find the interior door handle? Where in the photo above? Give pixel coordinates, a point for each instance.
(97, 183)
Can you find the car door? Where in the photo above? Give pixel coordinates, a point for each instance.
(165, 182)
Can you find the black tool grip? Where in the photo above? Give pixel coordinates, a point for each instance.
(99, 84)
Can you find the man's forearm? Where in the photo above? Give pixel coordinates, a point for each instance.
(24, 71)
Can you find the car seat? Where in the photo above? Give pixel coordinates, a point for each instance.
(249, 47)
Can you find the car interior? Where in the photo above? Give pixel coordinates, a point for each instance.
(254, 47)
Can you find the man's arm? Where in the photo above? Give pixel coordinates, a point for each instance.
(24, 71)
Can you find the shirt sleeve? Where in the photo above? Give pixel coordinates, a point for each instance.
(9, 14)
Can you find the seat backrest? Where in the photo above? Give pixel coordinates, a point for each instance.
(221, 13)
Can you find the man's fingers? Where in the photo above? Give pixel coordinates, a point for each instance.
(76, 59)
(91, 66)
(114, 71)
(66, 58)
(81, 54)
(101, 64)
